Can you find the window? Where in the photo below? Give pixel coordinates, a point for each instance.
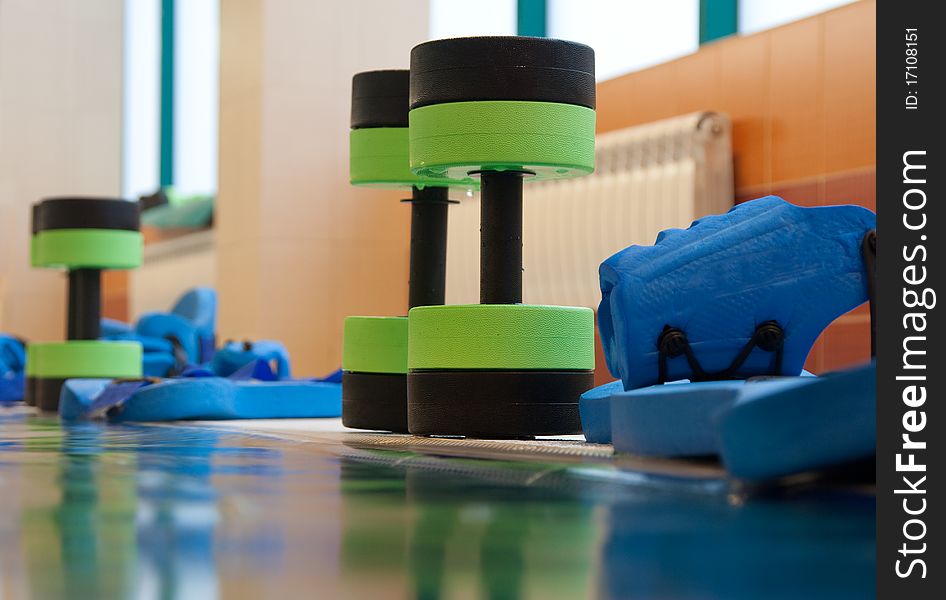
(627, 35)
(141, 79)
(188, 117)
(756, 15)
(460, 18)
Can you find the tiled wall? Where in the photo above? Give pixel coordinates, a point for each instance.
(802, 102)
(60, 134)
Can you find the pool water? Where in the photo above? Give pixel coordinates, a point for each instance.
(97, 511)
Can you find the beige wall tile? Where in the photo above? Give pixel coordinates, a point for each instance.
(60, 133)
(323, 249)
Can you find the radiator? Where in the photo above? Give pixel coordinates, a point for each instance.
(648, 178)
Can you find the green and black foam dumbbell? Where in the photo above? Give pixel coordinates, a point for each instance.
(83, 236)
(504, 110)
(374, 351)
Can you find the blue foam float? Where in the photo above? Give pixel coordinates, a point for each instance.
(12, 368)
(246, 394)
(761, 430)
(776, 429)
(234, 355)
(172, 341)
(726, 275)
(594, 408)
(214, 398)
(671, 420)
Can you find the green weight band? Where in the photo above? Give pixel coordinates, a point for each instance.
(87, 248)
(379, 157)
(501, 336)
(84, 358)
(553, 140)
(375, 345)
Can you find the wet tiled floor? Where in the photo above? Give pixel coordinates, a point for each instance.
(96, 511)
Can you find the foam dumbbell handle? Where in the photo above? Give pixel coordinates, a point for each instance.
(501, 237)
(428, 264)
(85, 304)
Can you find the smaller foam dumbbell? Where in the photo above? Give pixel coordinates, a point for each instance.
(83, 236)
(374, 353)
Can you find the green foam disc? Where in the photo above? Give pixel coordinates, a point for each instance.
(375, 345)
(501, 336)
(552, 140)
(87, 248)
(83, 358)
(379, 156)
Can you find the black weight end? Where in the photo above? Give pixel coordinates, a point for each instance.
(496, 404)
(502, 68)
(43, 393)
(379, 99)
(375, 401)
(85, 213)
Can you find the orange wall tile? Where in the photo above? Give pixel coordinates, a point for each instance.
(744, 94)
(850, 65)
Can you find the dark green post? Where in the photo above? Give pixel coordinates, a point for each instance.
(718, 19)
(167, 93)
(531, 18)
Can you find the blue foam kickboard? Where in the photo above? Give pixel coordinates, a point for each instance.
(12, 369)
(594, 408)
(726, 274)
(811, 424)
(671, 420)
(206, 398)
(77, 395)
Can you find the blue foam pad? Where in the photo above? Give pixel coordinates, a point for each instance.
(221, 398)
(12, 367)
(671, 420)
(594, 408)
(801, 425)
(206, 398)
(111, 327)
(156, 364)
(199, 307)
(77, 395)
(192, 322)
(163, 325)
(724, 275)
(234, 355)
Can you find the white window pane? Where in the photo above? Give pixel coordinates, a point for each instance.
(459, 18)
(196, 83)
(142, 98)
(756, 15)
(627, 34)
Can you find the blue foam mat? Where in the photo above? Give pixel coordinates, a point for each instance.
(761, 430)
(671, 420)
(810, 425)
(204, 398)
(594, 408)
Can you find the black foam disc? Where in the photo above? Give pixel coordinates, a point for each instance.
(86, 213)
(379, 99)
(496, 404)
(43, 393)
(375, 401)
(502, 68)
